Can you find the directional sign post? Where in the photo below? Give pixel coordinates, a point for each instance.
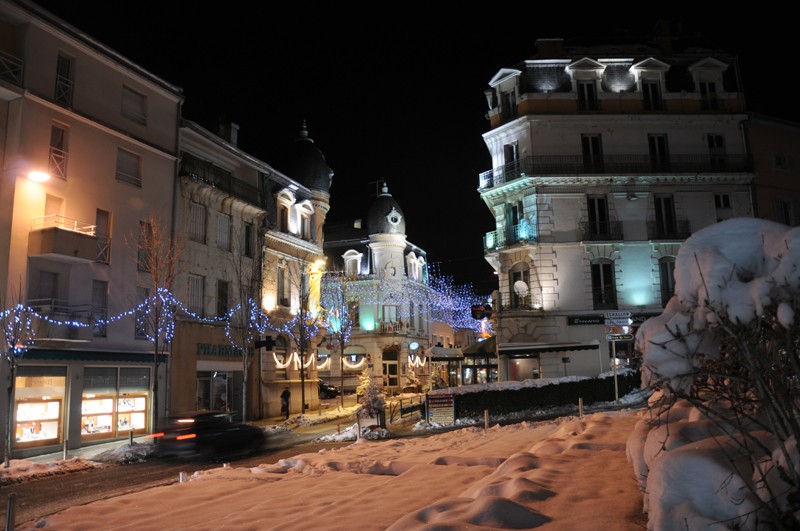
(619, 337)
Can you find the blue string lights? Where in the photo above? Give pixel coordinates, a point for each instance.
(440, 299)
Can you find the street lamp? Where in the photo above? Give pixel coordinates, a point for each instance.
(38, 176)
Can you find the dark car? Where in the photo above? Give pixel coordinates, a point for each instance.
(207, 435)
(327, 390)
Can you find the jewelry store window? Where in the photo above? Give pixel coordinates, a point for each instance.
(39, 406)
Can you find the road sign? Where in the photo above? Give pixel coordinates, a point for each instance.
(619, 337)
(618, 314)
(615, 330)
(618, 322)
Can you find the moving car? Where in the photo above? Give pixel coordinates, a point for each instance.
(207, 435)
(327, 390)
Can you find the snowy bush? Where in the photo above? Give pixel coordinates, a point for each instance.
(723, 357)
(372, 402)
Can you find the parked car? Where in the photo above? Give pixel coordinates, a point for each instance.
(327, 390)
(207, 435)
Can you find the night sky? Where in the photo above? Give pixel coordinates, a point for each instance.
(387, 95)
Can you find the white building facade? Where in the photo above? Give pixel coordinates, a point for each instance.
(604, 160)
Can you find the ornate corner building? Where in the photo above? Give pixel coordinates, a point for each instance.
(604, 160)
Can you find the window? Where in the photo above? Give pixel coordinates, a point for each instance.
(651, 92)
(666, 224)
(305, 227)
(784, 162)
(659, 152)
(708, 96)
(787, 211)
(196, 294)
(283, 218)
(58, 151)
(508, 105)
(248, 245)
(604, 293)
(587, 96)
(592, 149)
(141, 327)
(224, 232)
(197, 223)
(144, 246)
(129, 167)
(716, 151)
(722, 202)
(519, 278)
(352, 262)
(134, 105)
(99, 308)
(353, 311)
(599, 225)
(511, 167)
(223, 288)
(64, 84)
(666, 267)
(283, 287)
(389, 313)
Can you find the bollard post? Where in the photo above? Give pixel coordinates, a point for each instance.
(485, 419)
(580, 407)
(12, 497)
(182, 477)
(65, 454)
(130, 437)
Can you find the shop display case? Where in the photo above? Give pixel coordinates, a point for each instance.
(97, 418)
(38, 423)
(132, 414)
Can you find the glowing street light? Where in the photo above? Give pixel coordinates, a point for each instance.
(38, 176)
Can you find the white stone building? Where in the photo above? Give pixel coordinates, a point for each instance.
(604, 159)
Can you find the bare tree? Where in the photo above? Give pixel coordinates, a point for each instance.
(339, 300)
(18, 332)
(157, 261)
(245, 318)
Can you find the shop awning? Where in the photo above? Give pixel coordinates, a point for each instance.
(444, 354)
(481, 348)
(527, 350)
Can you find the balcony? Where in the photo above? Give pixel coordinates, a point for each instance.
(67, 240)
(221, 179)
(676, 230)
(601, 231)
(543, 166)
(515, 303)
(11, 69)
(61, 318)
(522, 233)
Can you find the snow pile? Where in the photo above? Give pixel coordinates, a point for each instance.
(704, 464)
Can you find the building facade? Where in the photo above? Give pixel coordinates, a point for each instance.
(604, 160)
(104, 134)
(397, 317)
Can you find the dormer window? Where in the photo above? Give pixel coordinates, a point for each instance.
(352, 262)
(651, 94)
(707, 77)
(587, 96)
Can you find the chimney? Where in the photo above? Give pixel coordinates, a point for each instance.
(550, 49)
(228, 131)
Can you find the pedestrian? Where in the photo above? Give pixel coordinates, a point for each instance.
(285, 402)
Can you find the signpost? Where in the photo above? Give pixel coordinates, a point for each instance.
(617, 329)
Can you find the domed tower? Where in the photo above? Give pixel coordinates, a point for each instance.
(306, 164)
(386, 226)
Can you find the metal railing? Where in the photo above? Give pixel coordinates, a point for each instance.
(63, 93)
(58, 163)
(676, 230)
(11, 68)
(405, 407)
(514, 302)
(601, 231)
(542, 166)
(60, 222)
(215, 176)
(521, 233)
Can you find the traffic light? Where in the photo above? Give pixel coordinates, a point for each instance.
(268, 343)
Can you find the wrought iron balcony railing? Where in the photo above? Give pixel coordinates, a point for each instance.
(522, 233)
(601, 231)
(513, 302)
(218, 178)
(675, 230)
(542, 166)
